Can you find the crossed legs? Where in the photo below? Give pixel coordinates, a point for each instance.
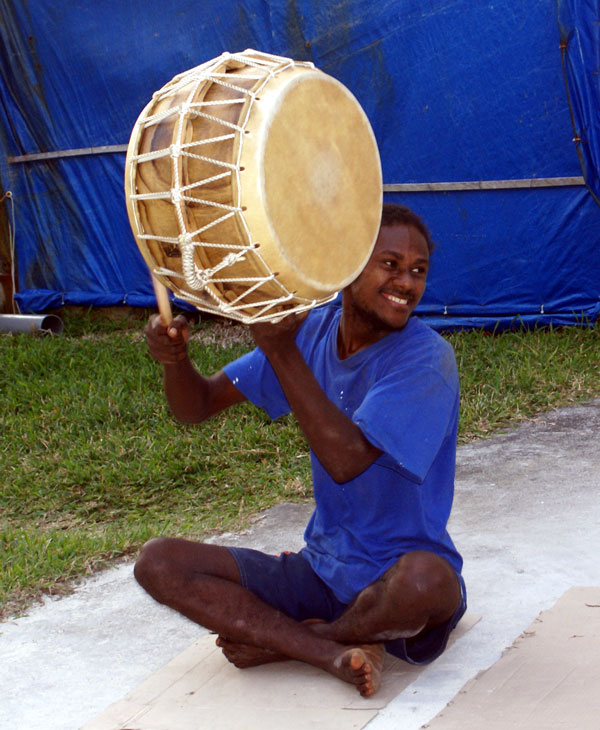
(203, 583)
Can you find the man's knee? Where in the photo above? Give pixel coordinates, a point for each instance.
(168, 565)
(153, 565)
(429, 578)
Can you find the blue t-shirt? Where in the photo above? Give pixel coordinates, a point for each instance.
(403, 393)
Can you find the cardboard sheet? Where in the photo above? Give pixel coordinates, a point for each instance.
(549, 678)
(200, 689)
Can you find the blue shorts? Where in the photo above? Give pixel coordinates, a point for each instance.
(288, 583)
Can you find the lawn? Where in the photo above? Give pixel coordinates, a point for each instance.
(93, 464)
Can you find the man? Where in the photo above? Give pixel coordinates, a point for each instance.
(375, 392)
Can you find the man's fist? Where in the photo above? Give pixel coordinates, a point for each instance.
(167, 344)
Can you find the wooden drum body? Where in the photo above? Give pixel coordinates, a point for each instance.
(253, 186)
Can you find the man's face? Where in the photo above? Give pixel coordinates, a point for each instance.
(393, 281)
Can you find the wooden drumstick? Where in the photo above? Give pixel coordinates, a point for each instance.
(162, 299)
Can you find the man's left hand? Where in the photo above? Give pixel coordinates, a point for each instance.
(273, 336)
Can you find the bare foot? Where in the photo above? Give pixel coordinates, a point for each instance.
(246, 655)
(361, 666)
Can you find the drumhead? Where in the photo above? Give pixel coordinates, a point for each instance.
(319, 180)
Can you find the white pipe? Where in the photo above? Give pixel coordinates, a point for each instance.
(31, 323)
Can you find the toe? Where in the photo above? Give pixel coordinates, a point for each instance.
(357, 661)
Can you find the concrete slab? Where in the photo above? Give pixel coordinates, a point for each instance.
(526, 518)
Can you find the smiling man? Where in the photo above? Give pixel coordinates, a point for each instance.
(375, 392)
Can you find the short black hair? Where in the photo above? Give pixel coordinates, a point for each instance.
(395, 215)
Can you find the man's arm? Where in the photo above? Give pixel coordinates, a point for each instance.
(337, 441)
(191, 397)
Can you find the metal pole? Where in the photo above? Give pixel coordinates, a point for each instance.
(31, 323)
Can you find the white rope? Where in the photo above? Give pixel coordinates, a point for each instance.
(256, 280)
(206, 244)
(256, 286)
(163, 271)
(212, 118)
(269, 61)
(211, 160)
(221, 75)
(167, 151)
(209, 140)
(153, 119)
(222, 219)
(177, 197)
(218, 102)
(216, 78)
(206, 180)
(195, 277)
(218, 306)
(166, 195)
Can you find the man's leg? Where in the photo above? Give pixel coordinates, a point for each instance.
(418, 593)
(203, 583)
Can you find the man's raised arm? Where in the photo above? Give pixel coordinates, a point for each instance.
(191, 397)
(337, 441)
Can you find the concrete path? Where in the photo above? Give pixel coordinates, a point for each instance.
(526, 518)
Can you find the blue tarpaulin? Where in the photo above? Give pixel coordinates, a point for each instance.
(579, 25)
(456, 92)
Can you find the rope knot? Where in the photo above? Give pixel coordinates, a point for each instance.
(229, 260)
(185, 239)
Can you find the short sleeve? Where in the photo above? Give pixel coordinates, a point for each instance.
(253, 375)
(408, 416)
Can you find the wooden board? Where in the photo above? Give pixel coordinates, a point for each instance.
(200, 689)
(549, 678)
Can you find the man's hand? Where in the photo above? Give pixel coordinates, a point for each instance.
(272, 336)
(168, 344)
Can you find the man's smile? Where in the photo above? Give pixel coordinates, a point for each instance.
(395, 299)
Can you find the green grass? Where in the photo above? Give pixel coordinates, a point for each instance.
(92, 463)
(513, 376)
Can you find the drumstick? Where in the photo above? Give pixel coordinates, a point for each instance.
(162, 299)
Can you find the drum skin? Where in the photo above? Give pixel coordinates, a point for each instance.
(253, 186)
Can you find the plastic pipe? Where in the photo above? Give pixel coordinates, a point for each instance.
(31, 323)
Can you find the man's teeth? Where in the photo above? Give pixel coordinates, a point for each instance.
(398, 300)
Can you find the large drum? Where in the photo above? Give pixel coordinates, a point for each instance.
(253, 186)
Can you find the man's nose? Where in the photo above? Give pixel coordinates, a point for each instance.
(402, 279)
